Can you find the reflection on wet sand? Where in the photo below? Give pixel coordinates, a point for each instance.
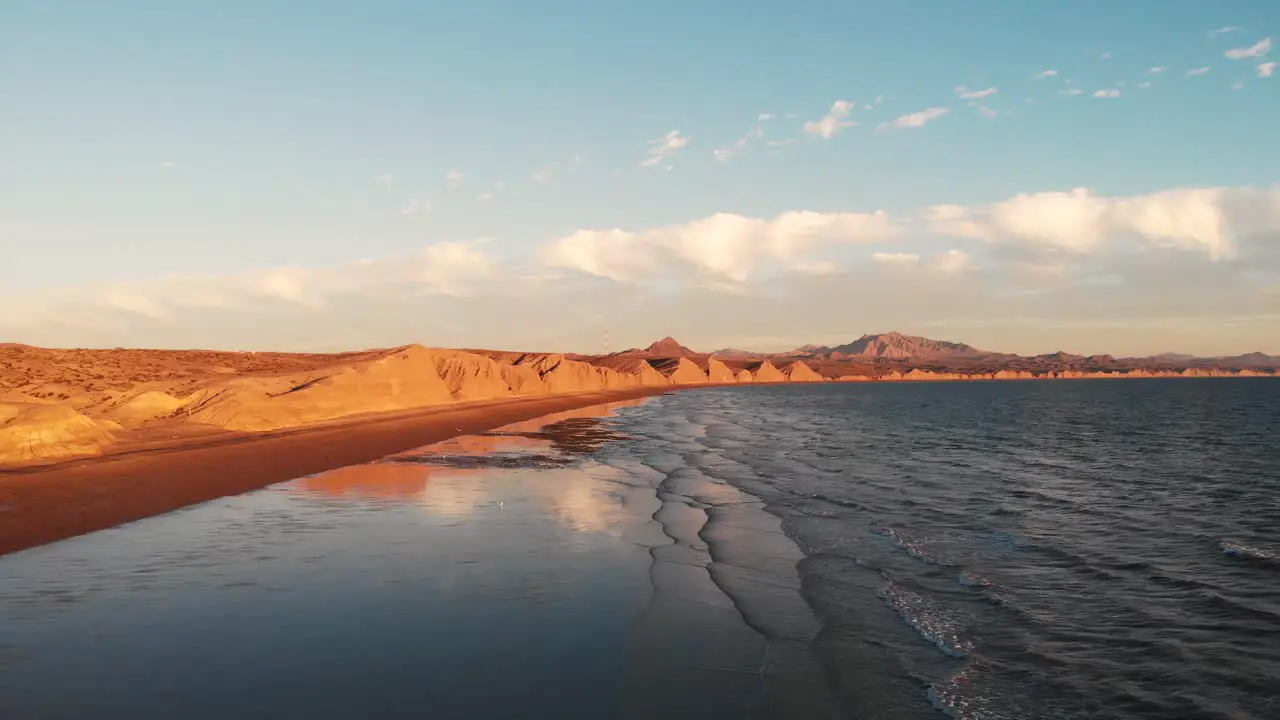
(442, 478)
(381, 480)
(497, 575)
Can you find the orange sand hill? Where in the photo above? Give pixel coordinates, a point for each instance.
(60, 404)
(765, 371)
(799, 372)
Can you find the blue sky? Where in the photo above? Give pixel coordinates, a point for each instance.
(146, 141)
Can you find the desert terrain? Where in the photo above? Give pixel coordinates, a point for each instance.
(58, 404)
(91, 438)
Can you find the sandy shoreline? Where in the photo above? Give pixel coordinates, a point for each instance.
(159, 472)
(43, 504)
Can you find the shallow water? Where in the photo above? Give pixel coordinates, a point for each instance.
(1020, 549)
(972, 550)
(503, 575)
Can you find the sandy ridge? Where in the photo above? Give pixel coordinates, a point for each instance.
(57, 405)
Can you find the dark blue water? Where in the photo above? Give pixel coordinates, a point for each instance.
(1104, 549)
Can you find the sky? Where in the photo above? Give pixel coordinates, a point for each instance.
(576, 175)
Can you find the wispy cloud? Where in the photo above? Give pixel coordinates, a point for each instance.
(1144, 85)
(836, 119)
(726, 152)
(1198, 71)
(987, 111)
(660, 149)
(454, 178)
(1224, 30)
(763, 117)
(967, 94)
(1158, 69)
(1256, 50)
(384, 180)
(542, 176)
(1266, 69)
(1046, 74)
(1072, 91)
(915, 119)
(898, 258)
(1107, 93)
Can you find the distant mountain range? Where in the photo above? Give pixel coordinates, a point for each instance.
(895, 348)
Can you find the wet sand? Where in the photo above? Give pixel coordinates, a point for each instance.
(542, 569)
(44, 504)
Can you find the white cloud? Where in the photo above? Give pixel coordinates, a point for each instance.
(660, 149)
(542, 176)
(896, 258)
(385, 180)
(1072, 91)
(1158, 69)
(986, 111)
(724, 245)
(1198, 71)
(726, 152)
(1038, 291)
(454, 178)
(1144, 85)
(1266, 69)
(1224, 30)
(967, 94)
(1108, 93)
(762, 117)
(484, 197)
(1046, 74)
(1256, 50)
(1208, 220)
(916, 119)
(833, 122)
(951, 262)
(446, 269)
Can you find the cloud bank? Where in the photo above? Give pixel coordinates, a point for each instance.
(1141, 271)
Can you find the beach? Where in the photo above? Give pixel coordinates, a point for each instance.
(46, 503)
(541, 569)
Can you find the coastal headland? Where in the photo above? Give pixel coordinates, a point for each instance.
(90, 438)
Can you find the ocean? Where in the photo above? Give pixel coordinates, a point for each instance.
(1040, 549)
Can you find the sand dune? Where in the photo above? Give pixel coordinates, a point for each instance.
(32, 433)
(61, 404)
